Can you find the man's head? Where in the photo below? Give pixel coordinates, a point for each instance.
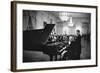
(78, 32)
(71, 38)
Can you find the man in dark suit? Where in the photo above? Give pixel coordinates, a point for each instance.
(74, 48)
(70, 54)
(78, 45)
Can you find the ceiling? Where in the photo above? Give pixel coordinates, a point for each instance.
(73, 14)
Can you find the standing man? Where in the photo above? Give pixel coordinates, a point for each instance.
(78, 45)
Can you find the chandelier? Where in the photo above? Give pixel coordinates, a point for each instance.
(63, 16)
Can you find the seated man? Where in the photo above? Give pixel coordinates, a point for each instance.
(71, 50)
(68, 49)
(74, 48)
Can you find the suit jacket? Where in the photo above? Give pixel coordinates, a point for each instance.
(78, 44)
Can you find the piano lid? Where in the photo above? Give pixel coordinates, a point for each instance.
(46, 32)
(37, 36)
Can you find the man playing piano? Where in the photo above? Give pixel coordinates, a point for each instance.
(74, 48)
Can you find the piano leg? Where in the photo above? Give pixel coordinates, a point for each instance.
(51, 57)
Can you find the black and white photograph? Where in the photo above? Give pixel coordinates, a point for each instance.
(48, 36)
(56, 36)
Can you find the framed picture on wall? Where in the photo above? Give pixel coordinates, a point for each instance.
(47, 36)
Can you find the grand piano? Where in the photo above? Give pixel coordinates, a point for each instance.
(37, 40)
